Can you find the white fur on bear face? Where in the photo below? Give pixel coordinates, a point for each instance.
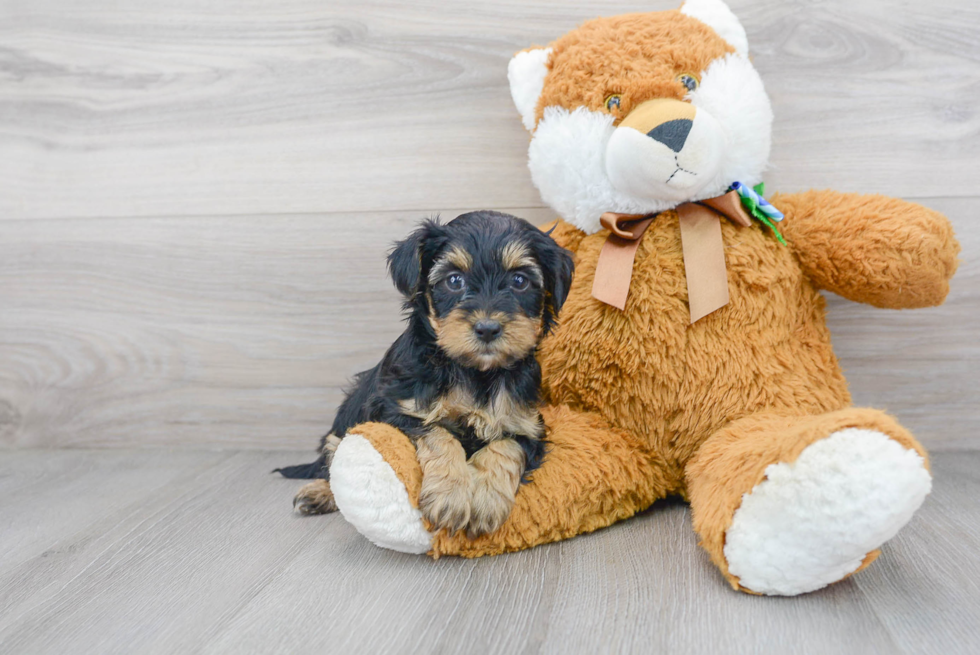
(572, 152)
(640, 166)
(526, 73)
(716, 15)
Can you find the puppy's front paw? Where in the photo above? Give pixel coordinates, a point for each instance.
(445, 495)
(446, 506)
(315, 498)
(497, 472)
(490, 507)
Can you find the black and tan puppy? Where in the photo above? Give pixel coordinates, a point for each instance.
(462, 381)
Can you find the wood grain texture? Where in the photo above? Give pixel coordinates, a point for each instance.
(212, 561)
(233, 331)
(925, 589)
(923, 365)
(229, 107)
(234, 319)
(241, 332)
(73, 492)
(57, 504)
(195, 203)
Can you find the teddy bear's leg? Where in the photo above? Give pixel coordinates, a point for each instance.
(376, 480)
(592, 476)
(787, 505)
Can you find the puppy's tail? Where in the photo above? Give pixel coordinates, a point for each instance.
(313, 470)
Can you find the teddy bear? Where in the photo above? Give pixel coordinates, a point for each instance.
(692, 357)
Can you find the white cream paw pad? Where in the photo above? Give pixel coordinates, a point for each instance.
(810, 523)
(371, 498)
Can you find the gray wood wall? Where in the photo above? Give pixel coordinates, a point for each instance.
(196, 197)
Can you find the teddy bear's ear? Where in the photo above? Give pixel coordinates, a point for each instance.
(716, 15)
(526, 73)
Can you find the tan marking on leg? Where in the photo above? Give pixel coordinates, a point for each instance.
(330, 447)
(315, 498)
(497, 470)
(446, 480)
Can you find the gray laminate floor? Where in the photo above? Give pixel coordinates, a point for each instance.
(178, 552)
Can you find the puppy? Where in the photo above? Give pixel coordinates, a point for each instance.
(462, 381)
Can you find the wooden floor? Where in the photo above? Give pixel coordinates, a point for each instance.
(130, 551)
(195, 202)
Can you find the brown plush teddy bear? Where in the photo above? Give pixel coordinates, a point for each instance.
(692, 356)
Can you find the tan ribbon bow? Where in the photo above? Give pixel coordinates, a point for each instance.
(704, 252)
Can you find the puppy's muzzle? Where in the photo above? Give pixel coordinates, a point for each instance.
(487, 330)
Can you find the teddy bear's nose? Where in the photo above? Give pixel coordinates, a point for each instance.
(673, 133)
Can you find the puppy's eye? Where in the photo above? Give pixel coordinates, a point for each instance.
(519, 282)
(689, 81)
(455, 282)
(614, 102)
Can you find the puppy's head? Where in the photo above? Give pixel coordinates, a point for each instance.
(490, 285)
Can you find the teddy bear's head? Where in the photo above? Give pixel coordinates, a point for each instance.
(639, 113)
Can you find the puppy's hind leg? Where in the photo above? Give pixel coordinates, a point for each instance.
(315, 498)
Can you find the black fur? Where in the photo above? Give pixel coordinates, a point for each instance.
(416, 368)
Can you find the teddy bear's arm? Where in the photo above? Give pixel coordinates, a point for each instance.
(565, 234)
(873, 249)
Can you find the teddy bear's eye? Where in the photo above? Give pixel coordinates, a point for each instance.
(689, 81)
(613, 101)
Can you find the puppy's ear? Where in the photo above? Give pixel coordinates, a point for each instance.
(410, 260)
(557, 268)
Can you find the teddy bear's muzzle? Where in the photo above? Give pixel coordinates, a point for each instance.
(664, 149)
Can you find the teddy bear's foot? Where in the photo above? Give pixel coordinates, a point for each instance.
(784, 509)
(815, 521)
(592, 476)
(371, 496)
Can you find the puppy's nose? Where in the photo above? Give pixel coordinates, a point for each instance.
(487, 330)
(673, 133)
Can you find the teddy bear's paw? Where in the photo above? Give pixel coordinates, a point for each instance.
(813, 522)
(374, 500)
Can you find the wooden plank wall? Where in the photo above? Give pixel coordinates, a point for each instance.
(196, 197)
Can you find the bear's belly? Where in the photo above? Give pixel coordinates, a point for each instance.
(672, 384)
